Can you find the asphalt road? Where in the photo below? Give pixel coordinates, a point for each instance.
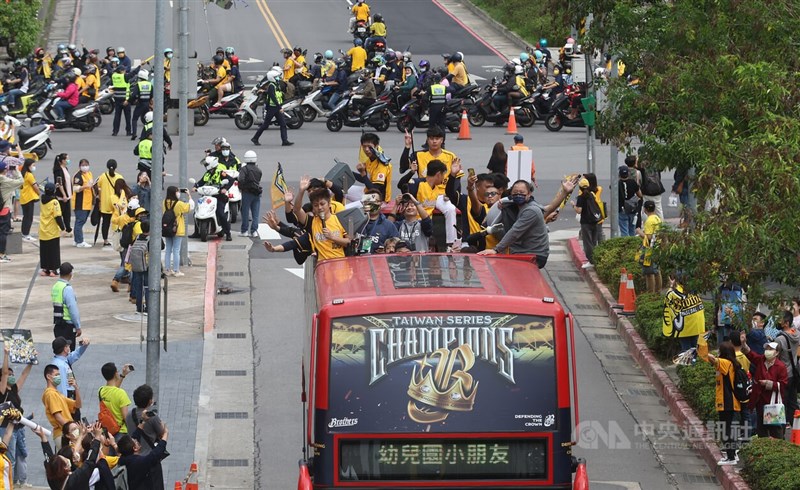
(277, 293)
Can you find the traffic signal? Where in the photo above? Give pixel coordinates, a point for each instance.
(589, 106)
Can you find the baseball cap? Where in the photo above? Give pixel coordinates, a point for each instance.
(518, 137)
(623, 171)
(4, 145)
(583, 183)
(771, 345)
(59, 343)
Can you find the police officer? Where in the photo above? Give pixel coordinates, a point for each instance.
(66, 316)
(226, 157)
(122, 92)
(144, 150)
(437, 96)
(273, 102)
(216, 175)
(141, 92)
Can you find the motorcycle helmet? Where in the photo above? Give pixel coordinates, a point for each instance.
(211, 162)
(110, 50)
(523, 57)
(442, 71)
(340, 63)
(71, 76)
(217, 59)
(77, 72)
(39, 52)
(19, 62)
(318, 58)
(114, 60)
(229, 51)
(250, 157)
(358, 42)
(235, 60)
(90, 69)
(538, 55)
(220, 50)
(516, 61)
(72, 47)
(436, 77)
(143, 74)
(509, 68)
(62, 48)
(378, 60)
(518, 70)
(424, 65)
(286, 52)
(274, 75)
(459, 56)
(542, 43)
(377, 18)
(66, 60)
(120, 49)
(167, 51)
(148, 117)
(225, 144)
(390, 56)
(328, 54)
(407, 55)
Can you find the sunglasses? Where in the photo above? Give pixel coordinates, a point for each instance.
(491, 194)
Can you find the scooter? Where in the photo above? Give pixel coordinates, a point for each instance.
(248, 113)
(377, 115)
(229, 105)
(26, 105)
(84, 116)
(205, 213)
(34, 140)
(483, 112)
(559, 111)
(361, 31)
(105, 101)
(200, 105)
(313, 104)
(234, 195)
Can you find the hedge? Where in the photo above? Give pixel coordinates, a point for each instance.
(531, 19)
(613, 254)
(770, 464)
(697, 383)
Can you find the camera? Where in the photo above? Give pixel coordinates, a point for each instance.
(495, 229)
(152, 413)
(406, 199)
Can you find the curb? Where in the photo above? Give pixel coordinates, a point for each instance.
(75, 17)
(678, 406)
(209, 315)
(511, 36)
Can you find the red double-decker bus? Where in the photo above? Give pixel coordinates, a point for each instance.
(437, 371)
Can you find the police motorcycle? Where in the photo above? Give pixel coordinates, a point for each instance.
(205, 212)
(35, 139)
(84, 116)
(249, 113)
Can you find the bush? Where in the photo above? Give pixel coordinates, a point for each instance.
(697, 383)
(648, 322)
(611, 255)
(19, 22)
(530, 19)
(770, 464)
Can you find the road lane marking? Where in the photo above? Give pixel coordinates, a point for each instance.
(283, 42)
(299, 272)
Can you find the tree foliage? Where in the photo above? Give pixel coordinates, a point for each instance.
(717, 92)
(532, 19)
(19, 22)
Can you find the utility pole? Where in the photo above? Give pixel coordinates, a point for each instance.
(183, 112)
(590, 165)
(156, 198)
(614, 215)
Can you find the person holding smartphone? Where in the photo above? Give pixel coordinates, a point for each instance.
(63, 181)
(10, 181)
(85, 192)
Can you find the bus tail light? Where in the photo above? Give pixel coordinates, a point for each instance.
(581, 478)
(304, 480)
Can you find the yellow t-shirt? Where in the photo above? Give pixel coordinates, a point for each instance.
(28, 193)
(743, 360)
(380, 173)
(378, 29)
(107, 197)
(460, 74)
(325, 248)
(651, 225)
(55, 402)
(180, 209)
(427, 196)
(358, 58)
(86, 195)
(116, 399)
(474, 226)
(446, 157)
(48, 227)
(361, 11)
(288, 69)
(302, 60)
(222, 73)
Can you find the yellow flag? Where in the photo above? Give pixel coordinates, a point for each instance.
(278, 188)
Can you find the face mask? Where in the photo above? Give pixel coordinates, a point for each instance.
(519, 200)
(770, 354)
(33, 168)
(177, 195)
(75, 433)
(169, 56)
(67, 162)
(12, 380)
(56, 380)
(226, 153)
(84, 169)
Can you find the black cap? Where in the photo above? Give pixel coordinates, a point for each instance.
(58, 345)
(623, 171)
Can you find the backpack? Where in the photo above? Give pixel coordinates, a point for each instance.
(651, 182)
(630, 205)
(169, 222)
(742, 385)
(127, 235)
(595, 210)
(105, 417)
(137, 256)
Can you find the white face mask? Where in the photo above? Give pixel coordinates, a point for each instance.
(84, 168)
(770, 354)
(177, 195)
(75, 433)
(33, 168)
(226, 153)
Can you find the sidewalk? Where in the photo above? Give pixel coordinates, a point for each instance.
(113, 327)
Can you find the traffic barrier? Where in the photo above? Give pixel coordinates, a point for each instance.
(512, 122)
(629, 303)
(463, 131)
(190, 483)
(796, 428)
(581, 478)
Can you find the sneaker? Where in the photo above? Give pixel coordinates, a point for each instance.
(243, 234)
(255, 234)
(727, 462)
(28, 238)
(179, 274)
(23, 485)
(83, 245)
(4, 259)
(587, 265)
(287, 143)
(107, 246)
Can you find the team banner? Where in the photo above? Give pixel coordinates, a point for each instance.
(442, 372)
(278, 188)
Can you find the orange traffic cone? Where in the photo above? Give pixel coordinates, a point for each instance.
(191, 478)
(463, 131)
(629, 304)
(581, 478)
(178, 486)
(623, 284)
(512, 122)
(796, 428)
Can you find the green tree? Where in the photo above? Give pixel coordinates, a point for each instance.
(532, 19)
(717, 92)
(20, 24)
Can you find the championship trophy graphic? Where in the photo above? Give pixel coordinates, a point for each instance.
(442, 386)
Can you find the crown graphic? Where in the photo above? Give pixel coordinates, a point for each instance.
(437, 391)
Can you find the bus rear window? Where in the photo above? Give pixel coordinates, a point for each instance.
(442, 372)
(443, 459)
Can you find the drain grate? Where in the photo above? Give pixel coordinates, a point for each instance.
(587, 306)
(231, 335)
(692, 478)
(230, 303)
(606, 336)
(642, 392)
(230, 415)
(230, 462)
(570, 278)
(233, 247)
(235, 274)
(617, 357)
(231, 372)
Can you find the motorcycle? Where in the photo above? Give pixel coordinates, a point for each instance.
(234, 195)
(483, 112)
(414, 115)
(26, 105)
(229, 104)
(84, 116)
(105, 101)
(376, 115)
(205, 213)
(34, 140)
(200, 104)
(560, 110)
(248, 113)
(361, 30)
(542, 101)
(313, 104)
